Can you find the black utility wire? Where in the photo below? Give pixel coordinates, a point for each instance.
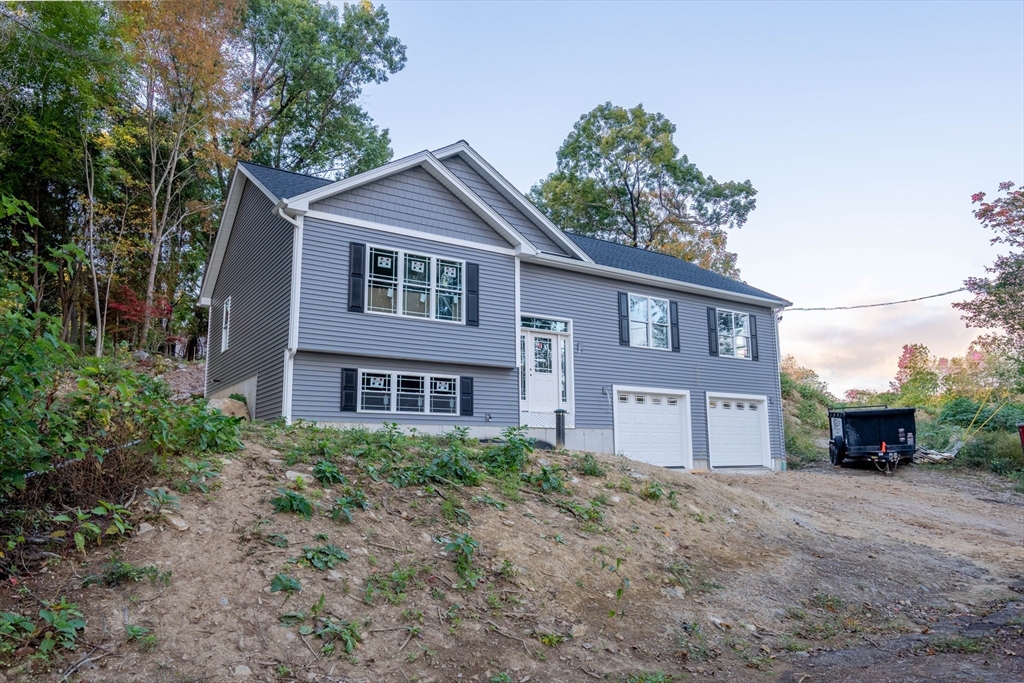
(888, 303)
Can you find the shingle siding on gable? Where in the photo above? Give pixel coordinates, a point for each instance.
(325, 323)
(412, 199)
(256, 274)
(502, 206)
(600, 361)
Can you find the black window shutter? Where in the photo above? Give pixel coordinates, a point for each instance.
(473, 295)
(673, 310)
(753, 338)
(356, 277)
(349, 389)
(623, 319)
(712, 331)
(466, 396)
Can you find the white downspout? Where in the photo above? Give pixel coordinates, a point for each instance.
(293, 311)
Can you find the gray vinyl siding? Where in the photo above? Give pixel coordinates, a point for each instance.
(516, 218)
(256, 274)
(591, 302)
(325, 324)
(317, 390)
(412, 199)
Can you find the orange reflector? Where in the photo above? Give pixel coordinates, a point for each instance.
(883, 447)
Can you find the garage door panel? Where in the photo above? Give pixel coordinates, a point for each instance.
(736, 432)
(650, 427)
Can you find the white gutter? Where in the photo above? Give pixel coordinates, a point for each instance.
(653, 280)
(293, 310)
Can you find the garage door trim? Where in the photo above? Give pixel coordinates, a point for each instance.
(687, 413)
(766, 449)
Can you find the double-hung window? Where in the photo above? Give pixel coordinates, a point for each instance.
(733, 334)
(648, 322)
(225, 325)
(399, 392)
(415, 285)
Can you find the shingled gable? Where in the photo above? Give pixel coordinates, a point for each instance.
(509, 192)
(300, 204)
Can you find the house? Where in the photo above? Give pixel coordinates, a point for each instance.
(431, 293)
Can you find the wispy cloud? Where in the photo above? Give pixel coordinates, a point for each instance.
(859, 349)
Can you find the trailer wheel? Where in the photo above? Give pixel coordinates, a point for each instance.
(835, 451)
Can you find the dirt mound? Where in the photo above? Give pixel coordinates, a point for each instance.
(641, 570)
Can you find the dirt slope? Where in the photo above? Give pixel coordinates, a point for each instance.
(802, 576)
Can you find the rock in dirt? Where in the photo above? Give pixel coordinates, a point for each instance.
(242, 670)
(292, 475)
(578, 630)
(675, 592)
(144, 528)
(230, 407)
(177, 522)
(140, 356)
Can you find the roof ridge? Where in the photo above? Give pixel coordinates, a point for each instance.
(285, 170)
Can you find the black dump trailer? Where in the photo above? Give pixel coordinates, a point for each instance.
(879, 434)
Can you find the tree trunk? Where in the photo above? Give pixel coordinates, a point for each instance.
(154, 261)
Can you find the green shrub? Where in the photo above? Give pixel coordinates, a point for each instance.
(961, 412)
(510, 456)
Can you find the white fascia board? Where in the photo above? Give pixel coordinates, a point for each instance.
(426, 161)
(238, 180)
(509, 192)
(653, 280)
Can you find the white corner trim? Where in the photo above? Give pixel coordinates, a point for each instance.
(687, 412)
(286, 389)
(652, 280)
(766, 440)
(407, 232)
(509, 192)
(440, 172)
(227, 221)
(293, 313)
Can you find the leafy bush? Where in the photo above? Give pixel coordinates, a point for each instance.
(510, 456)
(76, 431)
(588, 466)
(327, 473)
(961, 412)
(290, 501)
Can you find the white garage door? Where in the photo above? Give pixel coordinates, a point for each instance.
(736, 429)
(653, 426)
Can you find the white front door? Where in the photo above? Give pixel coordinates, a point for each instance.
(542, 371)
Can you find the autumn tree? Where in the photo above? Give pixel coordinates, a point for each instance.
(620, 177)
(182, 93)
(301, 67)
(997, 301)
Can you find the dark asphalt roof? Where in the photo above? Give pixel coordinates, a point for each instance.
(284, 184)
(662, 265)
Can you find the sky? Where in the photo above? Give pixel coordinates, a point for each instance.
(865, 127)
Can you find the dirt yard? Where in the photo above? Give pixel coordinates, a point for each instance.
(821, 575)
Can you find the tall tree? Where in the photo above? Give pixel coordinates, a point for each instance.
(183, 93)
(302, 67)
(997, 299)
(620, 176)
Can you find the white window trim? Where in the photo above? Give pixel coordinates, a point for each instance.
(750, 355)
(394, 392)
(225, 324)
(570, 404)
(400, 269)
(650, 335)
